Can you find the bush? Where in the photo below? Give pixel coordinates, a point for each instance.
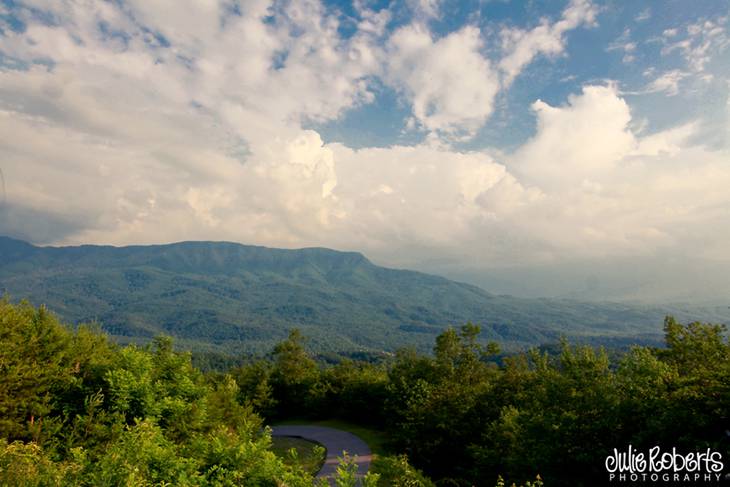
(395, 471)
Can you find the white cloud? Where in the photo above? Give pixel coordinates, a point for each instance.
(624, 44)
(193, 126)
(668, 82)
(703, 40)
(420, 196)
(586, 138)
(669, 142)
(450, 84)
(425, 9)
(131, 139)
(522, 46)
(644, 15)
(609, 192)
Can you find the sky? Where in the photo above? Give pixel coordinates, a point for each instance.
(575, 148)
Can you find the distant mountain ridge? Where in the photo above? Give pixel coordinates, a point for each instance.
(238, 298)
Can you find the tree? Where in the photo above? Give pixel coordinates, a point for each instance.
(294, 374)
(34, 363)
(254, 382)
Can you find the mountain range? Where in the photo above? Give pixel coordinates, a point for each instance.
(233, 298)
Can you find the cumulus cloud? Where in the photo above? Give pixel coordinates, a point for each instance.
(584, 139)
(449, 81)
(420, 196)
(186, 118)
(129, 123)
(451, 85)
(609, 191)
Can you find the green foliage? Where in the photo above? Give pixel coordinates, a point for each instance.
(295, 375)
(395, 471)
(563, 427)
(130, 385)
(79, 411)
(463, 419)
(34, 364)
(255, 387)
(432, 400)
(561, 415)
(142, 455)
(350, 389)
(371, 479)
(346, 472)
(297, 451)
(537, 483)
(230, 458)
(27, 465)
(224, 408)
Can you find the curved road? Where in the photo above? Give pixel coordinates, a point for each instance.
(335, 441)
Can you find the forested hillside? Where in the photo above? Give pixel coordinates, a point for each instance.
(231, 298)
(75, 409)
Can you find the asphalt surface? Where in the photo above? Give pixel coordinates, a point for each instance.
(335, 441)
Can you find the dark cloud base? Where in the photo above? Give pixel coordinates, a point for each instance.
(36, 226)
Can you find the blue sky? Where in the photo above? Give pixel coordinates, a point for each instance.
(594, 54)
(517, 145)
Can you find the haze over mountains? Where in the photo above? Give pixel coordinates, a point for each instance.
(232, 298)
(655, 281)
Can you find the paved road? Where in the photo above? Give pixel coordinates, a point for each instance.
(335, 441)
